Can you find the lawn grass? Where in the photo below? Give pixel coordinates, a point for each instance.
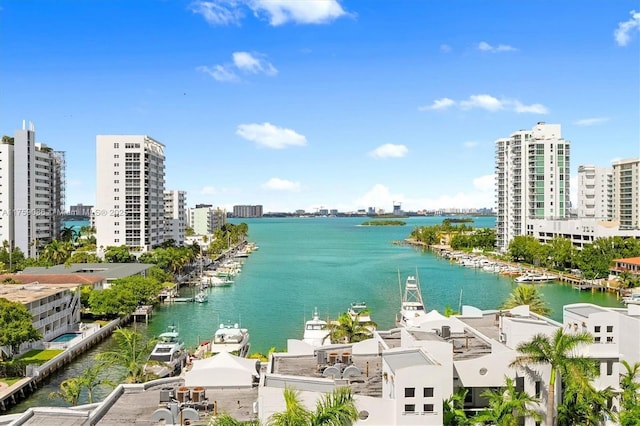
(40, 356)
(10, 380)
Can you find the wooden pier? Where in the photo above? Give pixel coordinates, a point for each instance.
(142, 312)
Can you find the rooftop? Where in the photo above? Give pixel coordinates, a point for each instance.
(112, 271)
(67, 278)
(31, 292)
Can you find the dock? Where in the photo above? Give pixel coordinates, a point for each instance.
(142, 312)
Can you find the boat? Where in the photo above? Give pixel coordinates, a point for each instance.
(210, 280)
(412, 305)
(315, 331)
(632, 299)
(227, 338)
(359, 310)
(201, 296)
(530, 277)
(168, 355)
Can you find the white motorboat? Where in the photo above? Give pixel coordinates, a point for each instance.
(632, 299)
(412, 306)
(201, 296)
(359, 310)
(209, 279)
(227, 338)
(315, 331)
(530, 277)
(168, 355)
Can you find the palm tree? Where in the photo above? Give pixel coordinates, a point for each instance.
(226, 420)
(349, 328)
(557, 351)
(453, 413)
(629, 398)
(131, 354)
(91, 380)
(526, 294)
(56, 252)
(70, 390)
(334, 409)
(68, 234)
(584, 405)
(507, 405)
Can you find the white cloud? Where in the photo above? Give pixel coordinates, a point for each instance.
(277, 12)
(219, 73)
(277, 184)
(244, 62)
(470, 144)
(591, 121)
(445, 48)
(622, 34)
(389, 150)
(218, 12)
(486, 47)
(270, 136)
(208, 190)
(487, 102)
(482, 195)
(299, 11)
(442, 103)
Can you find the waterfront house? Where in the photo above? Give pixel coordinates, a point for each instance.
(55, 308)
(630, 265)
(108, 271)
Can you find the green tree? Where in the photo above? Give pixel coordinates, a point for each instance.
(507, 406)
(132, 353)
(16, 326)
(630, 397)
(70, 390)
(118, 254)
(83, 256)
(526, 294)
(557, 351)
(144, 289)
(525, 248)
(335, 408)
(350, 329)
(453, 413)
(226, 420)
(68, 234)
(56, 252)
(112, 302)
(584, 405)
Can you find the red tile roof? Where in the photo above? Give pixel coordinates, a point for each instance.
(52, 278)
(631, 260)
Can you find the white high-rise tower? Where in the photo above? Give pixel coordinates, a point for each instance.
(31, 191)
(532, 180)
(130, 192)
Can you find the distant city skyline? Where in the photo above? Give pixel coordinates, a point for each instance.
(322, 104)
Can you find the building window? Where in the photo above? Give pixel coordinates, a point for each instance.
(116, 145)
(409, 392)
(609, 368)
(538, 390)
(428, 408)
(596, 339)
(609, 339)
(410, 408)
(609, 329)
(596, 329)
(427, 393)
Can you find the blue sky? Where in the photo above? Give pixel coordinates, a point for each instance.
(302, 104)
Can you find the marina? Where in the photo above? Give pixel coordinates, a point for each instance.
(335, 261)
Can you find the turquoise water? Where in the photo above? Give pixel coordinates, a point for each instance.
(326, 263)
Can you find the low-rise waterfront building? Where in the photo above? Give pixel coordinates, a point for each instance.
(108, 271)
(581, 231)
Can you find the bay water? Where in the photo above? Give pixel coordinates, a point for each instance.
(327, 263)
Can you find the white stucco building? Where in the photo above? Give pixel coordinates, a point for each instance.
(532, 179)
(626, 193)
(205, 219)
(31, 192)
(175, 217)
(129, 206)
(595, 192)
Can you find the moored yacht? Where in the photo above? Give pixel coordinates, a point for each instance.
(531, 277)
(412, 306)
(227, 338)
(359, 310)
(315, 331)
(168, 355)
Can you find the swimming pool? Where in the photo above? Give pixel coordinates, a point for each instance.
(66, 337)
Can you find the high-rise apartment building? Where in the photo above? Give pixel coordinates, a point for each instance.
(31, 191)
(247, 211)
(626, 193)
(204, 219)
(130, 192)
(532, 180)
(595, 191)
(175, 218)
